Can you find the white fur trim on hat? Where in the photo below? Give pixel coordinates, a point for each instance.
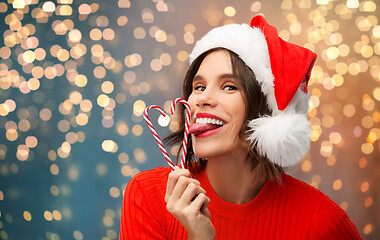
(249, 44)
(283, 137)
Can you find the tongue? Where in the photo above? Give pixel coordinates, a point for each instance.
(200, 128)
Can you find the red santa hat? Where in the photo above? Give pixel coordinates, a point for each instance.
(283, 71)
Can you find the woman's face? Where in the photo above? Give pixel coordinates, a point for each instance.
(217, 108)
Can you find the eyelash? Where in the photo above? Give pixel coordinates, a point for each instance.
(232, 87)
(196, 88)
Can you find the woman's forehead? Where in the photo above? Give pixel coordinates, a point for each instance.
(218, 62)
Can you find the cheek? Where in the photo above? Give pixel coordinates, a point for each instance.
(239, 112)
(191, 101)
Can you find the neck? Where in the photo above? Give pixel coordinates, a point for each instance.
(233, 180)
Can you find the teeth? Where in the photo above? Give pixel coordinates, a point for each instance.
(209, 121)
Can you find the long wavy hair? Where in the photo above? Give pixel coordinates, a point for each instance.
(255, 105)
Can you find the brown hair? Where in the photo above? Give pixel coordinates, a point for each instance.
(255, 105)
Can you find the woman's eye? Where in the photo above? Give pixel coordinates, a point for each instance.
(230, 88)
(199, 88)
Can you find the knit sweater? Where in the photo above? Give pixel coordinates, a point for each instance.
(289, 210)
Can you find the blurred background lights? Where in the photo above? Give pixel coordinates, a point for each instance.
(78, 235)
(17, 4)
(27, 216)
(48, 6)
(75, 79)
(139, 107)
(163, 121)
(109, 146)
(352, 3)
(230, 11)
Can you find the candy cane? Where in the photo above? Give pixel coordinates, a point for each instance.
(155, 135)
(187, 124)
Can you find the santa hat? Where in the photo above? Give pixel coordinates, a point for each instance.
(283, 71)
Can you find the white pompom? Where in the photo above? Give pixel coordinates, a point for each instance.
(284, 139)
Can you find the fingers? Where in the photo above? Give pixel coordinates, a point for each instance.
(191, 192)
(186, 200)
(185, 184)
(181, 191)
(201, 202)
(173, 179)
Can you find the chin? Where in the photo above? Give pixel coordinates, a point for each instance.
(205, 155)
(208, 150)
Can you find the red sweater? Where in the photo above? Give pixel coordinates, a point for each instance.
(291, 210)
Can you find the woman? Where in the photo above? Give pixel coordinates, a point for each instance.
(247, 89)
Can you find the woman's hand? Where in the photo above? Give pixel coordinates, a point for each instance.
(186, 200)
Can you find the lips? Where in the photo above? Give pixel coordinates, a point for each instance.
(206, 125)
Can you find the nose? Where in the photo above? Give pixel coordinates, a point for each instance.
(206, 98)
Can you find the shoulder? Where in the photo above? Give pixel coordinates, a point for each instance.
(156, 175)
(144, 213)
(146, 191)
(302, 190)
(150, 179)
(299, 198)
(331, 221)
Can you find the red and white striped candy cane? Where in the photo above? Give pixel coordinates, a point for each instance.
(187, 125)
(155, 135)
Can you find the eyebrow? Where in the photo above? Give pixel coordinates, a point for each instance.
(223, 76)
